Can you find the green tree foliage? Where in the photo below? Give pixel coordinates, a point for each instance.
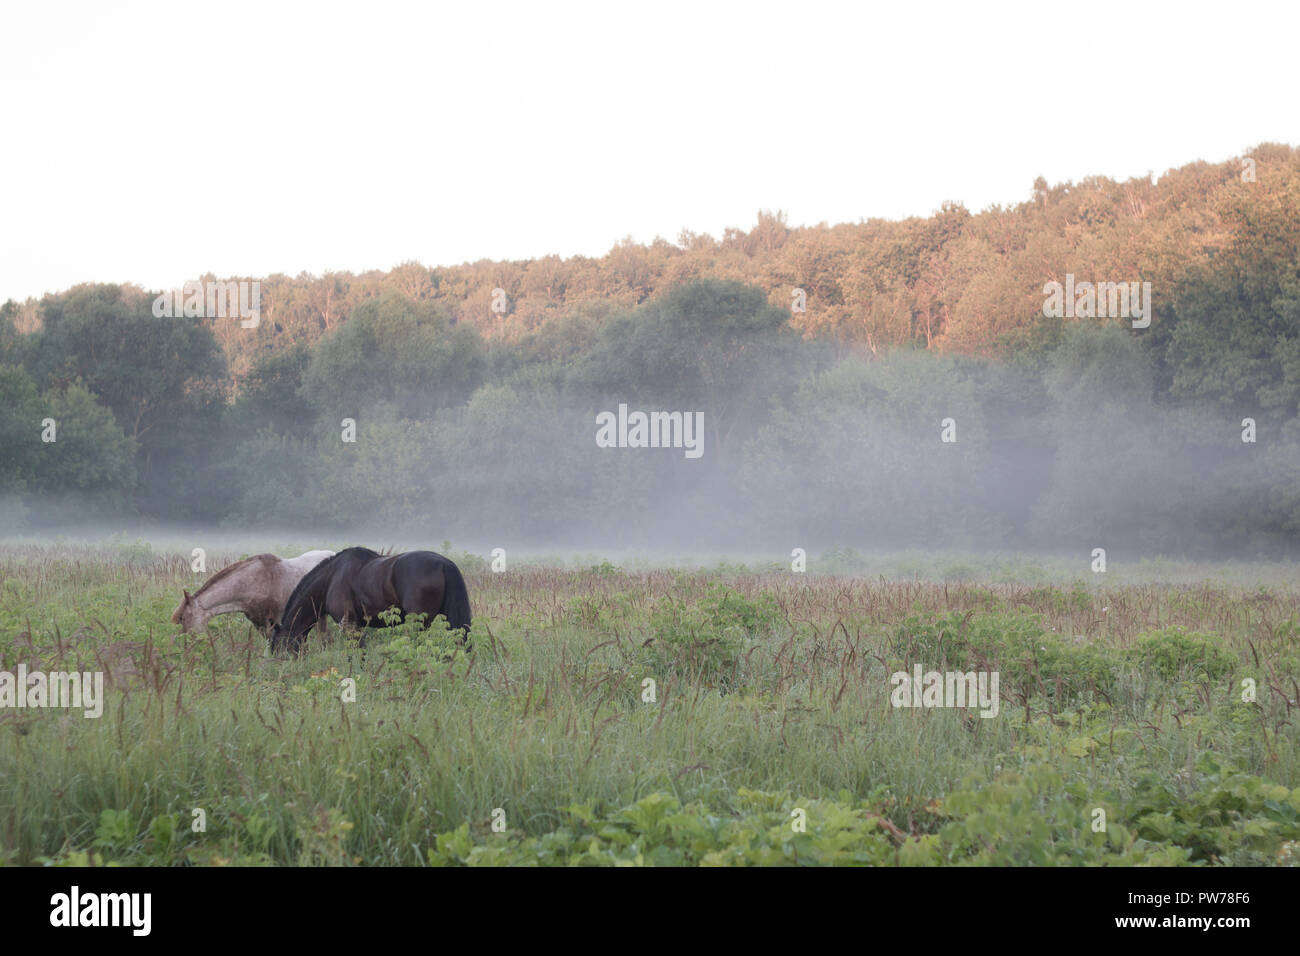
(148, 370)
(162, 378)
(396, 350)
(709, 345)
(89, 456)
(20, 418)
(1235, 328)
(271, 394)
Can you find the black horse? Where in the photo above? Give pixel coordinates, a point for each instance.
(358, 584)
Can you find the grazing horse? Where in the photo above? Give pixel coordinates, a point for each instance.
(357, 584)
(259, 586)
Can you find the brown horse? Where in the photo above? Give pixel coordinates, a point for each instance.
(258, 586)
(357, 585)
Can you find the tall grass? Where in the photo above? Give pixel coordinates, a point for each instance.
(762, 681)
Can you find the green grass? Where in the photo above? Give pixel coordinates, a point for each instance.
(770, 737)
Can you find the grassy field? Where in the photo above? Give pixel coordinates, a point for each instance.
(1125, 733)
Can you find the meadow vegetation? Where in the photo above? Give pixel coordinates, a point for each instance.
(771, 697)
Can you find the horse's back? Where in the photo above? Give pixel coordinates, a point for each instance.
(305, 561)
(419, 562)
(293, 570)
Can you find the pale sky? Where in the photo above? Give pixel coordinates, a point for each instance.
(152, 143)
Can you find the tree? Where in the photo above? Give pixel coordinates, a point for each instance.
(162, 378)
(147, 369)
(1234, 336)
(712, 346)
(20, 428)
(398, 351)
(90, 455)
(271, 394)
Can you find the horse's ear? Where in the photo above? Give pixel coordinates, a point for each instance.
(187, 595)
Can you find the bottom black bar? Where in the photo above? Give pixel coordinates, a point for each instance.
(336, 905)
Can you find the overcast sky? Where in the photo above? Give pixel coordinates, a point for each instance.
(153, 143)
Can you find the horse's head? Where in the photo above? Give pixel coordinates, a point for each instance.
(279, 636)
(188, 614)
(285, 639)
(304, 608)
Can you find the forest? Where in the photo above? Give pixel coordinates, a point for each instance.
(870, 384)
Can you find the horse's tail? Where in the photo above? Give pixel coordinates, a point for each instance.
(455, 600)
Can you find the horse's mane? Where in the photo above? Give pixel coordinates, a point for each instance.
(231, 569)
(320, 574)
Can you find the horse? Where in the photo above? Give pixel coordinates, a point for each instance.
(259, 586)
(357, 584)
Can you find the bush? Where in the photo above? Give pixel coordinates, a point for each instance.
(1174, 652)
(1029, 658)
(709, 636)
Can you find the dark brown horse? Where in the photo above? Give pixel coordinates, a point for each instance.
(357, 585)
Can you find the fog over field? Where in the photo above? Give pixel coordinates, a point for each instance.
(904, 452)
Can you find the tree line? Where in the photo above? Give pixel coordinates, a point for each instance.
(822, 424)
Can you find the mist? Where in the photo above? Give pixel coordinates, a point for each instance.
(907, 451)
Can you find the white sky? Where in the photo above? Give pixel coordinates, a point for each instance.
(151, 143)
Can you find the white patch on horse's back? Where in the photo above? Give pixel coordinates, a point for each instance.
(293, 570)
(307, 560)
